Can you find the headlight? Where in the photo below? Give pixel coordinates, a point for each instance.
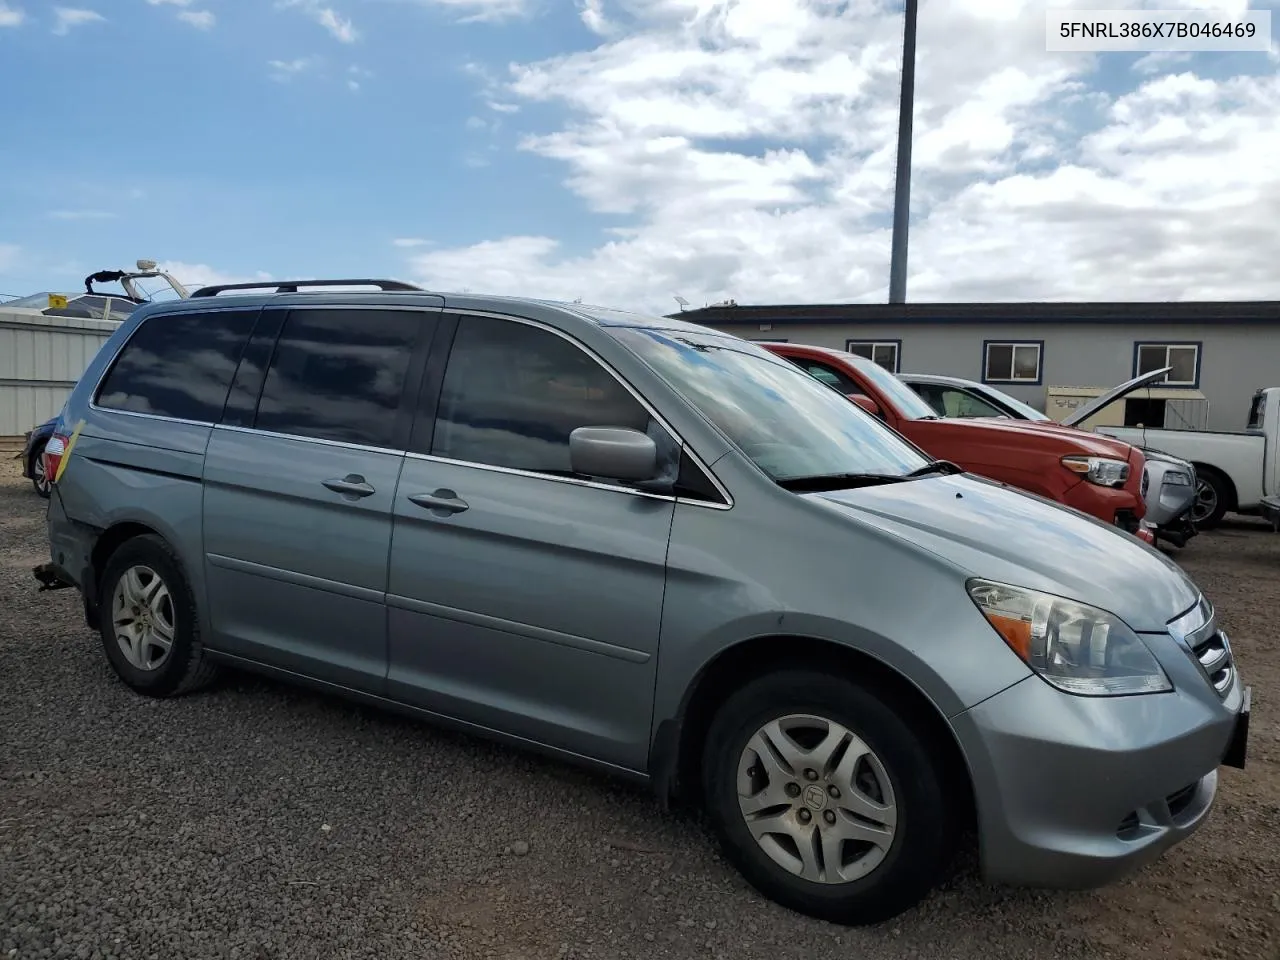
(1103, 471)
(1177, 478)
(1075, 647)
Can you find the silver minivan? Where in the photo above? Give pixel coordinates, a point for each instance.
(647, 546)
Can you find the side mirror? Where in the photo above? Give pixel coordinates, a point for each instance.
(617, 453)
(866, 403)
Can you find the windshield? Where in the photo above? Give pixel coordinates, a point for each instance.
(37, 301)
(1024, 410)
(908, 402)
(789, 424)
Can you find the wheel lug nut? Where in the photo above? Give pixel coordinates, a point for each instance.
(805, 816)
(834, 791)
(811, 774)
(793, 789)
(829, 816)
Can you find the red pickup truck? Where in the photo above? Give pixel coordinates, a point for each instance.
(1095, 474)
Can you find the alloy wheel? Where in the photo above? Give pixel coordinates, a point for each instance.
(39, 477)
(1206, 502)
(143, 617)
(816, 799)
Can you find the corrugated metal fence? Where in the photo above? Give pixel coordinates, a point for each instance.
(41, 358)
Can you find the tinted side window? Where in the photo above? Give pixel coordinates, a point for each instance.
(512, 394)
(178, 365)
(339, 374)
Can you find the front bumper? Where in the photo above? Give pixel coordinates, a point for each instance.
(1075, 792)
(1114, 505)
(1269, 507)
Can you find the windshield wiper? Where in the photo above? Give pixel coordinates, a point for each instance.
(837, 481)
(936, 466)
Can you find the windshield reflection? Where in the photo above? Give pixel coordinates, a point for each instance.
(908, 402)
(785, 421)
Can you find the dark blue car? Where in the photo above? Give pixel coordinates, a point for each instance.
(32, 461)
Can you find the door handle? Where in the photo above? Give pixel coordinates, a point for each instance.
(352, 486)
(442, 502)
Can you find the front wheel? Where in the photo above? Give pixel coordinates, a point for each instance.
(826, 798)
(1213, 496)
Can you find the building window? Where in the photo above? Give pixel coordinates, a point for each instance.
(1184, 358)
(883, 352)
(1011, 361)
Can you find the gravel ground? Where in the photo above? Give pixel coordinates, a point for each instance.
(259, 821)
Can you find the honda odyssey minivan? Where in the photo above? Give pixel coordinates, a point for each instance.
(650, 547)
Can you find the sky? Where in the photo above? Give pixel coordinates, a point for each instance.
(628, 152)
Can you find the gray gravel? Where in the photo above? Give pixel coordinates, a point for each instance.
(258, 821)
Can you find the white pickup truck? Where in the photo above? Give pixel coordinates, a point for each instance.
(1234, 471)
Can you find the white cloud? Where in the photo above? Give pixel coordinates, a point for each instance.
(285, 70)
(745, 149)
(170, 3)
(9, 253)
(10, 16)
(195, 275)
(356, 76)
(410, 242)
(592, 14)
(66, 18)
(82, 215)
(200, 19)
(480, 11)
(341, 29)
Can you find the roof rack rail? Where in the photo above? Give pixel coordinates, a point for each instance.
(291, 286)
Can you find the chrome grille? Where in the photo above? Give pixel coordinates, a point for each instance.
(1197, 630)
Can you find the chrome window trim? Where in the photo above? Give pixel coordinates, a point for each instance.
(639, 398)
(323, 441)
(149, 416)
(575, 481)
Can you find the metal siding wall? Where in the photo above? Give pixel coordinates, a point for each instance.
(1236, 359)
(50, 355)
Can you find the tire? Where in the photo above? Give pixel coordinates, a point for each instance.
(143, 663)
(1213, 497)
(38, 479)
(912, 852)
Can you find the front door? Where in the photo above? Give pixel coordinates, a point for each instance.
(297, 496)
(523, 598)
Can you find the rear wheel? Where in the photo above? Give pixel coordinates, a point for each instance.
(148, 621)
(38, 478)
(1213, 498)
(826, 799)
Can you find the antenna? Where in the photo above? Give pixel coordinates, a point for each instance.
(683, 302)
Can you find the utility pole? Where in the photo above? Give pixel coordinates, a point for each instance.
(902, 184)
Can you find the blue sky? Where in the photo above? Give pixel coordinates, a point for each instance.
(625, 150)
(191, 144)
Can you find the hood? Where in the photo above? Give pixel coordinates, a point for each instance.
(1090, 444)
(993, 531)
(1162, 457)
(1114, 394)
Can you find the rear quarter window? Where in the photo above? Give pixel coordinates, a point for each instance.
(178, 365)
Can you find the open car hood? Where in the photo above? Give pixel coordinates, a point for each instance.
(1114, 394)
